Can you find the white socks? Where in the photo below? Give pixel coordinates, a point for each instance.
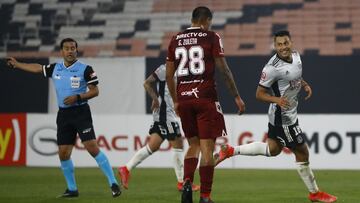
(178, 161)
(260, 148)
(307, 176)
(139, 156)
(252, 149)
(143, 153)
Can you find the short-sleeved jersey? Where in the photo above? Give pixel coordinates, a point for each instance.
(166, 112)
(193, 52)
(70, 80)
(284, 80)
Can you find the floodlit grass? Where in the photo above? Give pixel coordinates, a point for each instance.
(21, 184)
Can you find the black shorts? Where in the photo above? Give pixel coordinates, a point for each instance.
(168, 131)
(288, 136)
(72, 121)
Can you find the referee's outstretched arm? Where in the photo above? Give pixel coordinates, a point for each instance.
(29, 67)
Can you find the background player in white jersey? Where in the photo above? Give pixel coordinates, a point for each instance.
(165, 126)
(280, 83)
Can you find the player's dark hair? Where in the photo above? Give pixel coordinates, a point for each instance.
(67, 40)
(282, 33)
(201, 13)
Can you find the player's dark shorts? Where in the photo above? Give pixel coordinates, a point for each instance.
(288, 136)
(72, 121)
(169, 131)
(202, 118)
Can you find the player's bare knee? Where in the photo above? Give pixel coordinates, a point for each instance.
(177, 144)
(302, 157)
(274, 151)
(64, 155)
(93, 149)
(154, 148)
(207, 161)
(94, 152)
(193, 152)
(301, 153)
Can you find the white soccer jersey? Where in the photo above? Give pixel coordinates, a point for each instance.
(166, 112)
(283, 79)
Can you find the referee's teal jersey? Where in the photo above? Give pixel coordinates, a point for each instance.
(70, 80)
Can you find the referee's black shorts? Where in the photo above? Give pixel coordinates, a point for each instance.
(72, 121)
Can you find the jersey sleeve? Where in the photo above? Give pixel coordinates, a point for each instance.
(171, 50)
(48, 70)
(160, 73)
(90, 76)
(218, 48)
(268, 76)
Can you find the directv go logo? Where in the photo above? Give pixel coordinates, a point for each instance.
(12, 139)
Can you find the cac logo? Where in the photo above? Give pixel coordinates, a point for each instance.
(43, 141)
(12, 139)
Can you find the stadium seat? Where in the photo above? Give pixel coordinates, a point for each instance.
(245, 26)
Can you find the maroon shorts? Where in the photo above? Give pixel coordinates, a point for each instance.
(202, 118)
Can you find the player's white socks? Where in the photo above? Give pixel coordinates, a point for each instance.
(139, 156)
(307, 176)
(178, 161)
(252, 149)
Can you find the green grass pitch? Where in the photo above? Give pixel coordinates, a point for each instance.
(21, 184)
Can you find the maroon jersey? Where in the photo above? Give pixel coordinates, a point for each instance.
(193, 52)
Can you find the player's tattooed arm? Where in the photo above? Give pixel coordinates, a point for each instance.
(149, 84)
(227, 75)
(170, 71)
(230, 83)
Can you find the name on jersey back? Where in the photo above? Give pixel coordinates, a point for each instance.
(189, 38)
(190, 41)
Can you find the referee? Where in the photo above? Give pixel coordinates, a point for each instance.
(75, 83)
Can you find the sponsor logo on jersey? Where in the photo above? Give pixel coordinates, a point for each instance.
(194, 92)
(191, 81)
(299, 139)
(191, 34)
(75, 82)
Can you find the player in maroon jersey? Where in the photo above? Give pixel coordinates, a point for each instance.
(193, 54)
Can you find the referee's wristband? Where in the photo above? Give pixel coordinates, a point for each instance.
(78, 99)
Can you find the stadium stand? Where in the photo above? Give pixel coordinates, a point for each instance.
(144, 27)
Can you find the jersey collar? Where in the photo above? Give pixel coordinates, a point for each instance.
(290, 62)
(193, 28)
(72, 65)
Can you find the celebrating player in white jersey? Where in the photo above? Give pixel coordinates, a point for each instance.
(165, 126)
(281, 81)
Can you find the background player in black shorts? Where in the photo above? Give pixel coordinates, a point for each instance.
(165, 126)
